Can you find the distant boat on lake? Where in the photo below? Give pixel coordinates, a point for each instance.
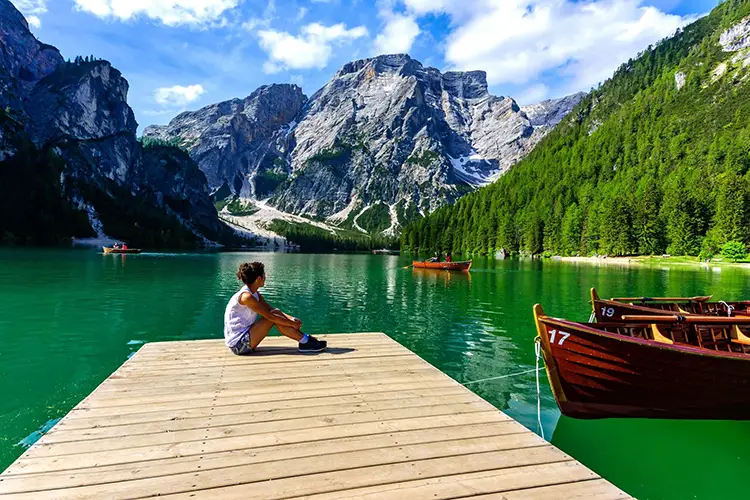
(386, 251)
(108, 250)
(445, 266)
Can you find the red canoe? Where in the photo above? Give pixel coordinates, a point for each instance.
(445, 266)
(696, 367)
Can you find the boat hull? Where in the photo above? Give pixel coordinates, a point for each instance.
(597, 374)
(108, 250)
(445, 266)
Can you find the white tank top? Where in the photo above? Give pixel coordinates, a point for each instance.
(238, 318)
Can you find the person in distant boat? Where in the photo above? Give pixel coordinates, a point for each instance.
(248, 317)
(448, 257)
(124, 246)
(435, 258)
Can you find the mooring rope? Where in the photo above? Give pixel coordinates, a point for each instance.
(537, 351)
(729, 308)
(501, 376)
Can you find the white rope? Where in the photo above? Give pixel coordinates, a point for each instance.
(501, 376)
(729, 308)
(537, 351)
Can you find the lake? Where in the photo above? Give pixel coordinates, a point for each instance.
(69, 318)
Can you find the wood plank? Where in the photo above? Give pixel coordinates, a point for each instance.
(425, 405)
(135, 388)
(279, 469)
(320, 367)
(30, 462)
(473, 485)
(18, 480)
(332, 386)
(256, 411)
(598, 489)
(292, 485)
(47, 446)
(84, 411)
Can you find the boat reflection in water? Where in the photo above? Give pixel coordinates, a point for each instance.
(430, 275)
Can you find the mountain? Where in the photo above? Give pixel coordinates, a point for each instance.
(655, 160)
(70, 163)
(384, 140)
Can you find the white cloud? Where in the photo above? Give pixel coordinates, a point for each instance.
(301, 13)
(397, 36)
(178, 95)
(32, 9)
(532, 95)
(517, 41)
(310, 49)
(262, 22)
(169, 12)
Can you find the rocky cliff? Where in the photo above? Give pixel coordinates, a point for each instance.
(384, 140)
(240, 144)
(67, 126)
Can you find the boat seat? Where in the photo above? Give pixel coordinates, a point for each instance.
(659, 336)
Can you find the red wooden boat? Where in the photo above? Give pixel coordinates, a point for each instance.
(445, 266)
(108, 250)
(615, 309)
(649, 366)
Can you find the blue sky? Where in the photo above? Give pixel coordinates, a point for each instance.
(184, 54)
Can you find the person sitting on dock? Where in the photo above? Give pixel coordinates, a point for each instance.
(248, 317)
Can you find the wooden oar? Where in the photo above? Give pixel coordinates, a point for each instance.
(692, 319)
(699, 298)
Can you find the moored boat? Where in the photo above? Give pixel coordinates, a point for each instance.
(445, 266)
(654, 367)
(614, 309)
(108, 250)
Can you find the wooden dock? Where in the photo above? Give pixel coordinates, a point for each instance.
(368, 419)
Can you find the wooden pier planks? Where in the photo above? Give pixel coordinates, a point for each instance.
(368, 419)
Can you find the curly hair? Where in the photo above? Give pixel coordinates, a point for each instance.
(250, 271)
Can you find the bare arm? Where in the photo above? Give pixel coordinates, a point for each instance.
(261, 307)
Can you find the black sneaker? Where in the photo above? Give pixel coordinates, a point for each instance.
(313, 345)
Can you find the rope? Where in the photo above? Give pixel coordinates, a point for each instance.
(537, 351)
(729, 308)
(502, 376)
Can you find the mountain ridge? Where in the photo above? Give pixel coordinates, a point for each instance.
(386, 139)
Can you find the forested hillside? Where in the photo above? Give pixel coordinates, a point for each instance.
(655, 160)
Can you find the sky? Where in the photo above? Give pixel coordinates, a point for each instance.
(181, 55)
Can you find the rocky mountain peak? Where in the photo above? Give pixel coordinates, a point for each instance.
(384, 140)
(23, 59)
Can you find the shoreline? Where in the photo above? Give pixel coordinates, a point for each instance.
(653, 261)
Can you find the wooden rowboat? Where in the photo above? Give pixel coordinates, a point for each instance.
(445, 266)
(108, 250)
(614, 309)
(653, 367)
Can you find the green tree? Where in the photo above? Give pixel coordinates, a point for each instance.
(734, 250)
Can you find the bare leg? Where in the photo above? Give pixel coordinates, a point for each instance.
(260, 330)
